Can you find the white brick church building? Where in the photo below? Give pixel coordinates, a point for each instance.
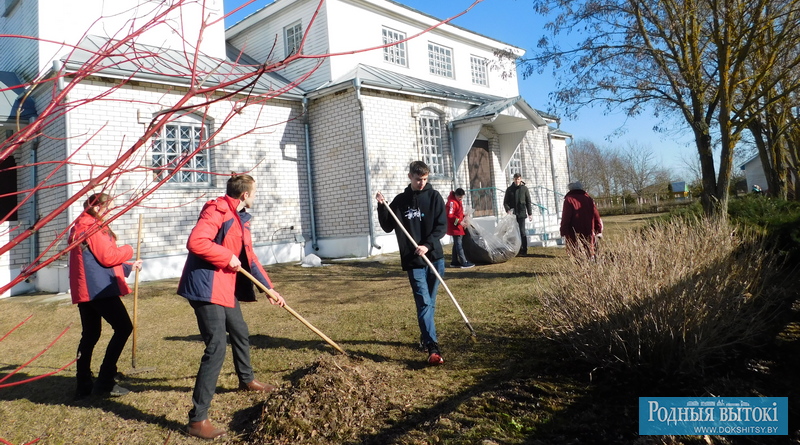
(342, 128)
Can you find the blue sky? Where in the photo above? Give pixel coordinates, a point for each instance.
(515, 22)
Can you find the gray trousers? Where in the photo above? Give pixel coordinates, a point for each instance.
(214, 322)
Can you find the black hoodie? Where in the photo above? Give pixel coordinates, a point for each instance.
(422, 214)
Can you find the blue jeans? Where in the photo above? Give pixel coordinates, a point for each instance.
(459, 258)
(214, 321)
(424, 284)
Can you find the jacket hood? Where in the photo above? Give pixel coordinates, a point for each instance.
(576, 192)
(85, 221)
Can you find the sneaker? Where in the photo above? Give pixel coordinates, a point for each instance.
(435, 359)
(434, 354)
(467, 266)
(115, 391)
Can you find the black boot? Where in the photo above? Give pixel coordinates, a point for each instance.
(85, 384)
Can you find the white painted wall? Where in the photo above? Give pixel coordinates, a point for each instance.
(754, 173)
(355, 25)
(262, 37)
(350, 25)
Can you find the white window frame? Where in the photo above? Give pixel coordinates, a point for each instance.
(514, 164)
(430, 138)
(292, 37)
(478, 68)
(175, 140)
(440, 60)
(395, 54)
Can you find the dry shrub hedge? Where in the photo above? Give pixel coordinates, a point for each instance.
(674, 297)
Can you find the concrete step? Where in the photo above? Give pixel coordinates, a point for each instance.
(548, 239)
(544, 243)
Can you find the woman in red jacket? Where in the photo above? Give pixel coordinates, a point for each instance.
(455, 228)
(97, 271)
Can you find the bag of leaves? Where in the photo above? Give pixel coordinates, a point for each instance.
(487, 247)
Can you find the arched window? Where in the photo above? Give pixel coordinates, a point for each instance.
(173, 143)
(430, 134)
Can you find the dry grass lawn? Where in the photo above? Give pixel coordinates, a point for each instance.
(505, 388)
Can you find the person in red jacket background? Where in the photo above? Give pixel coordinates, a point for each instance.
(97, 271)
(219, 245)
(580, 221)
(455, 228)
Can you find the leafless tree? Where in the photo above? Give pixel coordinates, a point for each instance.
(690, 60)
(639, 167)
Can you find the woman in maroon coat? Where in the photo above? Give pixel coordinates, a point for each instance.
(580, 221)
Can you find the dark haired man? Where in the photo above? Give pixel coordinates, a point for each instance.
(219, 245)
(420, 209)
(518, 202)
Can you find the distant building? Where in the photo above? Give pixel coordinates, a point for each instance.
(754, 174)
(680, 190)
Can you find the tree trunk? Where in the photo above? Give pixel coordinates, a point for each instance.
(708, 196)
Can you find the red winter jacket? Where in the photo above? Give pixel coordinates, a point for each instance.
(97, 267)
(580, 217)
(220, 232)
(455, 214)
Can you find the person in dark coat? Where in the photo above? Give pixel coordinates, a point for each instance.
(518, 201)
(580, 221)
(420, 209)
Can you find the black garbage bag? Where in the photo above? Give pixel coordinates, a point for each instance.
(486, 247)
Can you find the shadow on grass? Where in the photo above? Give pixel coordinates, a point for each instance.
(537, 395)
(60, 390)
(485, 275)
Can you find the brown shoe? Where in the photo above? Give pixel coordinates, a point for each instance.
(255, 385)
(204, 430)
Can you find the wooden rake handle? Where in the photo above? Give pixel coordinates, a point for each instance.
(272, 296)
(436, 272)
(136, 293)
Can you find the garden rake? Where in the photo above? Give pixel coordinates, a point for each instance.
(135, 369)
(473, 337)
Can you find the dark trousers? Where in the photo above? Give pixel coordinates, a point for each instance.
(459, 259)
(214, 321)
(92, 313)
(523, 248)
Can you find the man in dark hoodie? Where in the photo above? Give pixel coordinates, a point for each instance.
(420, 209)
(518, 201)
